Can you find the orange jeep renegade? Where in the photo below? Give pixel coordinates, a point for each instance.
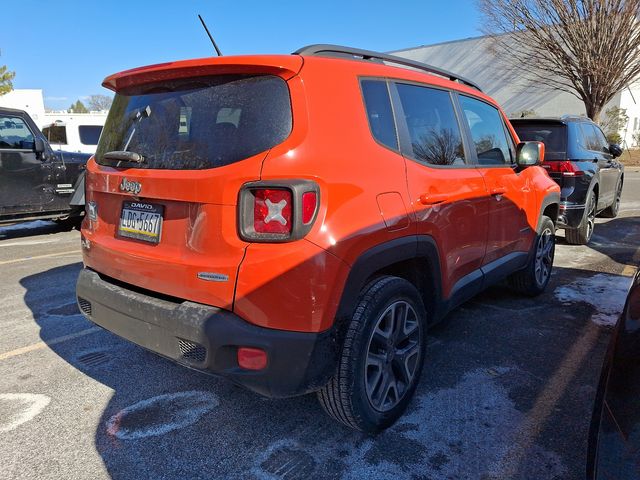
(295, 223)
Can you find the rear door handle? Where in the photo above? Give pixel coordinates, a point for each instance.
(426, 199)
(498, 191)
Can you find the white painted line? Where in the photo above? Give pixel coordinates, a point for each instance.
(523, 439)
(28, 242)
(630, 270)
(49, 343)
(22, 408)
(177, 410)
(36, 257)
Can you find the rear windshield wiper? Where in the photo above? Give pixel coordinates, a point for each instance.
(124, 156)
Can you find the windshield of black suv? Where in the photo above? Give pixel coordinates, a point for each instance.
(199, 123)
(554, 137)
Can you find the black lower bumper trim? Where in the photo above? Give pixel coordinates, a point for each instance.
(570, 216)
(207, 338)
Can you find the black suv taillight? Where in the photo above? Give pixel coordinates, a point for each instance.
(278, 211)
(566, 167)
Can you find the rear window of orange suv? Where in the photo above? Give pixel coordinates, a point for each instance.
(197, 123)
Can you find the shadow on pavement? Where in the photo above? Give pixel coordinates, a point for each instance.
(490, 364)
(507, 392)
(36, 227)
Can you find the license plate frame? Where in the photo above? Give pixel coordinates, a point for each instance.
(143, 221)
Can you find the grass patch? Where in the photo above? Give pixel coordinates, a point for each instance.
(631, 158)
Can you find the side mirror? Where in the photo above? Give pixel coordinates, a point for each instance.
(529, 154)
(38, 145)
(615, 150)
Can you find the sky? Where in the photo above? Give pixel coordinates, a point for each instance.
(68, 47)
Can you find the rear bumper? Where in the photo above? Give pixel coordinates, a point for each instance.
(206, 338)
(570, 215)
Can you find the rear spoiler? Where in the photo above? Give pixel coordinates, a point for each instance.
(285, 66)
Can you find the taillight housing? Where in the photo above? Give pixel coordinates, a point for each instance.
(566, 167)
(278, 211)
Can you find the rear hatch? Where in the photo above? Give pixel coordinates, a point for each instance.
(554, 136)
(179, 142)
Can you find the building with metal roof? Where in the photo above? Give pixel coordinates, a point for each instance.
(472, 58)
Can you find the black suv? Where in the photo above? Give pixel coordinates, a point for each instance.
(579, 158)
(36, 182)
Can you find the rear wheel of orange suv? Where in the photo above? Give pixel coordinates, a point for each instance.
(381, 359)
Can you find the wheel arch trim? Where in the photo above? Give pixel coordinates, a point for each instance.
(385, 255)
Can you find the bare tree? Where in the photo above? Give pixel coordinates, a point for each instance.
(99, 102)
(589, 48)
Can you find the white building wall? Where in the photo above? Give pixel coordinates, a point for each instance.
(29, 100)
(630, 100)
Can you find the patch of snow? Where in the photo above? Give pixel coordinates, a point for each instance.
(26, 226)
(468, 431)
(605, 293)
(162, 414)
(19, 408)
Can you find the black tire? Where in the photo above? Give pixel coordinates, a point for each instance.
(69, 223)
(534, 278)
(356, 396)
(614, 208)
(584, 232)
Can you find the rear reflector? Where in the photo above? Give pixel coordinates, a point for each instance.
(272, 211)
(309, 203)
(252, 358)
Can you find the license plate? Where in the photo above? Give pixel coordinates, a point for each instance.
(142, 221)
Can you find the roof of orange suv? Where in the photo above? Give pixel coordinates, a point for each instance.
(289, 65)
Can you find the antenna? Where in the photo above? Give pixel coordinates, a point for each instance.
(210, 37)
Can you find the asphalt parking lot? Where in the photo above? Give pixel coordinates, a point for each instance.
(507, 390)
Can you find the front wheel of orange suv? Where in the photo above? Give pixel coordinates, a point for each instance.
(533, 279)
(382, 357)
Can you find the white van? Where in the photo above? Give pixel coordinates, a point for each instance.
(74, 132)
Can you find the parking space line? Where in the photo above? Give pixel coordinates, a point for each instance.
(526, 436)
(630, 270)
(36, 257)
(49, 343)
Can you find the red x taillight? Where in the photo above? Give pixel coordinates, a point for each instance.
(280, 211)
(272, 211)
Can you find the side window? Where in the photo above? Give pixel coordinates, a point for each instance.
(603, 144)
(56, 134)
(379, 112)
(487, 132)
(433, 127)
(590, 137)
(583, 138)
(89, 134)
(14, 133)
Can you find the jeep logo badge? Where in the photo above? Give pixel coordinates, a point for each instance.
(130, 187)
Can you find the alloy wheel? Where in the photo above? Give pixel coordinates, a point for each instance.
(591, 217)
(616, 204)
(544, 256)
(393, 354)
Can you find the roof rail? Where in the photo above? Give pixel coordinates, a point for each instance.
(337, 50)
(571, 116)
